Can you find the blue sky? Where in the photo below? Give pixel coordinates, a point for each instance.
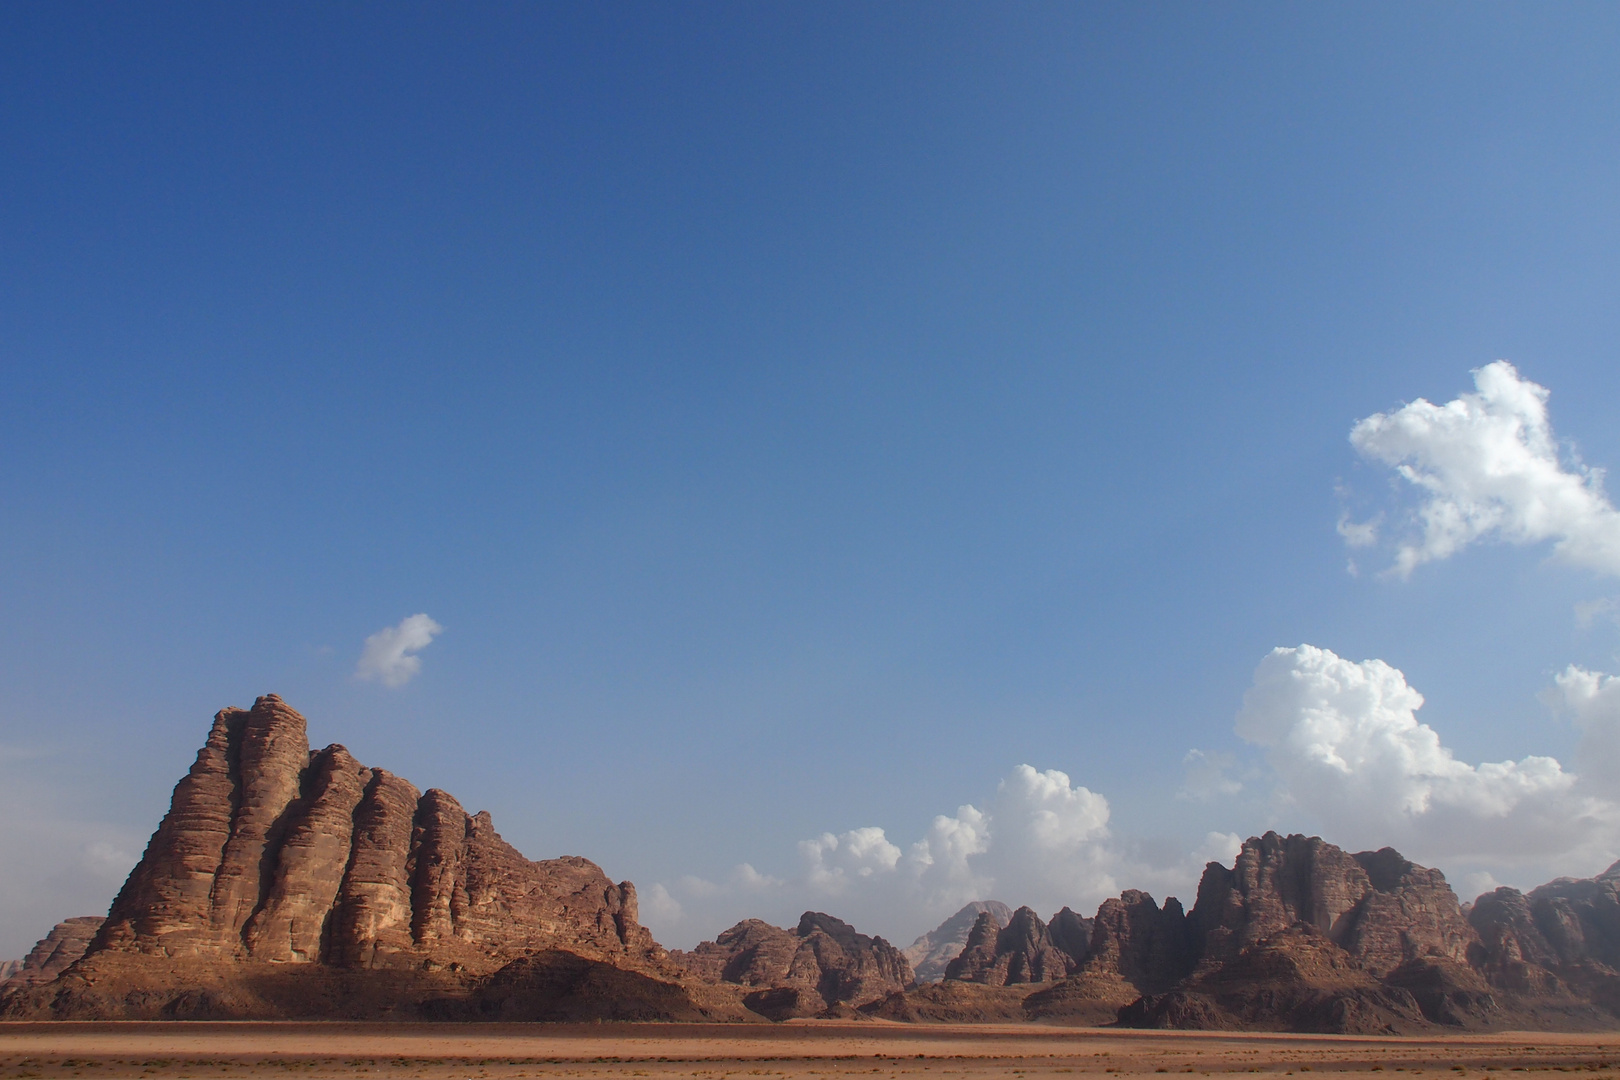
(794, 418)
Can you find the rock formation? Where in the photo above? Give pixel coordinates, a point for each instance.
(1561, 940)
(820, 964)
(1020, 952)
(54, 953)
(273, 860)
(1377, 906)
(1300, 935)
(931, 953)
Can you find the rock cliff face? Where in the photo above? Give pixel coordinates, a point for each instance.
(55, 952)
(1023, 951)
(270, 852)
(932, 953)
(1563, 939)
(275, 859)
(1380, 908)
(820, 964)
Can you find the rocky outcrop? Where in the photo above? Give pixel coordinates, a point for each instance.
(1020, 952)
(1559, 944)
(820, 964)
(932, 953)
(270, 854)
(54, 953)
(1296, 979)
(1146, 946)
(1380, 908)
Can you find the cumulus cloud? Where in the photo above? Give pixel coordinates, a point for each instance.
(1486, 467)
(1347, 748)
(1040, 839)
(1593, 698)
(390, 656)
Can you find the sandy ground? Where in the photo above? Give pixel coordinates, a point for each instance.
(796, 1051)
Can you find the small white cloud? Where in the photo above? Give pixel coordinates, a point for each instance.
(1487, 467)
(1208, 776)
(1218, 847)
(389, 655)
(1588, 612)
(1476, 884)
(1358, 534)
(660, 908)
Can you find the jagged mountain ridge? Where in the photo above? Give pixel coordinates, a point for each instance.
(1300, 935)
(288, 883)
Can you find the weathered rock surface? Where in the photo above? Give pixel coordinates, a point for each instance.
(932, 953)
(1559, 945)
(271, 855)
(1294, 980)
(821, 963)
(1377, 906)
(54, 953)
(1020, 952)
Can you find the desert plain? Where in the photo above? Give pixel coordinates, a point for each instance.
(800, 1050)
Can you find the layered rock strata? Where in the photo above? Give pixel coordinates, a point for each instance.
(270, 852)
(1380, 908)
(54, 953)
(1023, 951)
(820, 964)
(275, 857)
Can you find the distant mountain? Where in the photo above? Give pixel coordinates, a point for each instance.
(930, 954)
(53, 954)
(807, 971)
(1026, 950)
(1300, 935)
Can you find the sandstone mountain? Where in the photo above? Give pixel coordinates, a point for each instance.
(1022, 951)
(1562, 939)
(282, 879)
(819, 965)
(285, 883)
(931, 953)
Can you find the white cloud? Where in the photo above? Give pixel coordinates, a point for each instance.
(1487, 467)
(833, 863)
(1594, 700)
(389, 654)
(1364, 534)
(1208, 776)
(1345, 743)
(1040, 840)
(1588, 612)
